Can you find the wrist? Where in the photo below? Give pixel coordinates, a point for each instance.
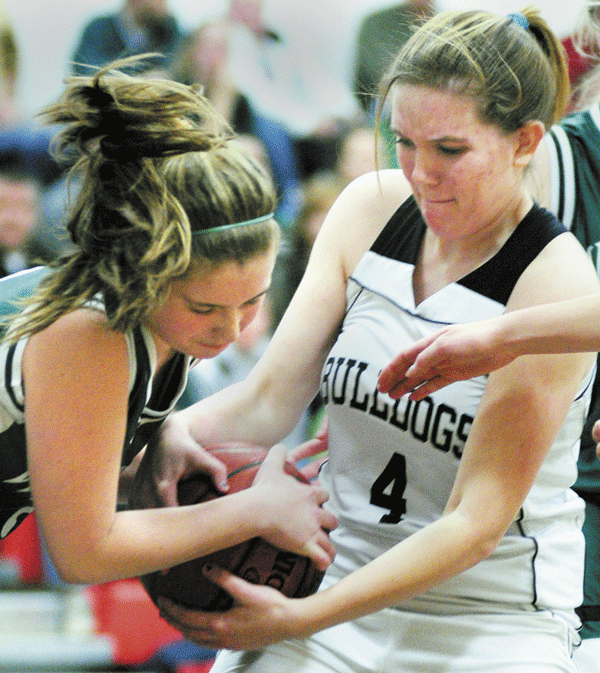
(303, 616)
(509, 336)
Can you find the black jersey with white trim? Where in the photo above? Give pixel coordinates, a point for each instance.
(142, 419)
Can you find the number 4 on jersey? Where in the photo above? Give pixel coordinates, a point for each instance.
(388, 489)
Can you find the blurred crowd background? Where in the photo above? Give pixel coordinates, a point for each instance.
(47, 30)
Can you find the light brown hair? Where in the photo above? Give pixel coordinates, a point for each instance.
(155, 165)
(515, 74)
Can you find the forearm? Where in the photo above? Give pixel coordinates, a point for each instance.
(563, 327)
(141, 541)
(255, 411)
(434, 554)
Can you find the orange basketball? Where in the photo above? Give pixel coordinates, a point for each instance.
(255, 560)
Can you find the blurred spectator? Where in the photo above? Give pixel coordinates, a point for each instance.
(579, 63)
(583, 50)
(380, 36)
(286, 76)
(204, 58)
(18, 134)
(319, 193)
(27, 168)
(20, 218)
(359, 151)
(138, 27)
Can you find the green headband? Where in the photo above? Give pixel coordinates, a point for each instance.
(225, 227)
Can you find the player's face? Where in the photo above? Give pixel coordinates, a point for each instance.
(208, 309)
(462, 171)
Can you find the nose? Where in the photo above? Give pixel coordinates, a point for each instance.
(228, 326)
(424, 169)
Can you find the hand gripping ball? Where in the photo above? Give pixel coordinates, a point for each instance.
(255, 560)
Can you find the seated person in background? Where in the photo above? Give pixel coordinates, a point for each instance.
(19, 218)
(203, 59)
(139, 26)
(380, 36)
(289, 73)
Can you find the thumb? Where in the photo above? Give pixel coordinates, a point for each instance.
(240, 590)
(276, 456)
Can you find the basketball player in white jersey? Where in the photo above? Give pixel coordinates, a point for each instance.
(460, 544)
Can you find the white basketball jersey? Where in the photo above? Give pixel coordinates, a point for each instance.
(392, 463)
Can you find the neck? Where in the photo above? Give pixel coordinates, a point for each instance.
(486, 241)
(164, 352)
(446, 260)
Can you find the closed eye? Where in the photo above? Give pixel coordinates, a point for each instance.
(202, 310)
(405, 142)
(452, 151)
(254, 300)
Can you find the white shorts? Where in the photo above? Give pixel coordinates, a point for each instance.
(396, 641)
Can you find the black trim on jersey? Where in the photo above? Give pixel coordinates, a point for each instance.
(519, 521)
(532, 235)
(397, 239)
(401, 240)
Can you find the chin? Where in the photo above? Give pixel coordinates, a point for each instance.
(203, 352)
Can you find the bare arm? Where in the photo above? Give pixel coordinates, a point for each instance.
(76, 375)
(462, 351)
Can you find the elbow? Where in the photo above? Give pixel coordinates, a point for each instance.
(477, 549)
(485, 547)
(78, 573)
(77, 566)
(483, 537)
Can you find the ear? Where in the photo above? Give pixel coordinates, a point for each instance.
(527, 138)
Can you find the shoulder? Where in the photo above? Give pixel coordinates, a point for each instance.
(80, 339)
(361, 212)
(562, 270)
(100, 24)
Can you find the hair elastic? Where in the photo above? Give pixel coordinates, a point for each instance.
(225, 227)
(520, 19)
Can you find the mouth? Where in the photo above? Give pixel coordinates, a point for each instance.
(216, 347)
(437, 202)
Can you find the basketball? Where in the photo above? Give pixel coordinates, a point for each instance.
(255, 560)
